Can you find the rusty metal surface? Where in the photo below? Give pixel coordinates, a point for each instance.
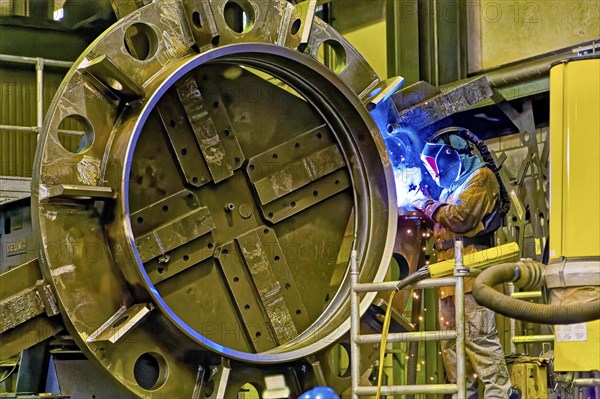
(19, 308)
(452, 99)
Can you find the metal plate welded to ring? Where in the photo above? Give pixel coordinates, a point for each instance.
(288, 159)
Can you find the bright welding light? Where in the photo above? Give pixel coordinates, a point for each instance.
(408, 181)
(58, 14)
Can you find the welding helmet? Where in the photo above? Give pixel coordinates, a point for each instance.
(442, 158)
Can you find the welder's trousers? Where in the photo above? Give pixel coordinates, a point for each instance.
(485, 357)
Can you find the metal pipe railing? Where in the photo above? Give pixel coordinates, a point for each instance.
(407, 390)
(390, 286)
(35, 129)
(527, 295)
(39, 89)
(460, 272)
(354, 325)
(39, 64)
(17, 59)
(421, 336)
(586, 382)
(19, 128)
(527, 339)
(459, 296)
(512, 322)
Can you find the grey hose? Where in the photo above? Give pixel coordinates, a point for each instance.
(485, 294)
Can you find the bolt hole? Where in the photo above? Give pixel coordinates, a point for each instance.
(270, 215)
(293, 204)
(319, 135)
(225, 252)
(77, 142)
(141, 42)
(288, 286)
(114, 83)
(215, 40)
(332, 54)
(194, 180)
(184, 151)
(236, 279)
(140, 220)
(275, 156)
(315, 193)
(237, 160)
(246, 307)
(165, 208)
(258, 334)
(266, 232)
(227, 133)
(120, 322)
(251, 167)
(173, 123)
(160, 270)
(276, 258)
(296, 26)
(215, 104)
(297, 145)
(186, 258)
(239, 15)
(298, 312)
(150, 371)
(210, 245)
(337, 182)
(210, 388)
(196, 20)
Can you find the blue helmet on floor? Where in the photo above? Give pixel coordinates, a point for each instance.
(319, 393)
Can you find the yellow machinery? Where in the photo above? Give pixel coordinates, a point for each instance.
(478, 260)
(573, 275)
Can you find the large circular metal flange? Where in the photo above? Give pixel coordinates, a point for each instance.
(212, 202)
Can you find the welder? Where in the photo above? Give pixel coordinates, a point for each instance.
(470, 207)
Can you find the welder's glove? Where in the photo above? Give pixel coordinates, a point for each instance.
(419, 200)
(425, 204)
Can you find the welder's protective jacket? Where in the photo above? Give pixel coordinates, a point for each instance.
(460, 211)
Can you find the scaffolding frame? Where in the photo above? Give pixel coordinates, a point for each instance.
(460, 272)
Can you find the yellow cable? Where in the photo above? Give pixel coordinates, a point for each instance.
(384, 336)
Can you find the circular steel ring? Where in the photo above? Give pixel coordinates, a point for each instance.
(90, 255)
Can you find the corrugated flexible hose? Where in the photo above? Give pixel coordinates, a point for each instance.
(523, 272)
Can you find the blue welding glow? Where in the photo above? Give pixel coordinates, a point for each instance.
(404, 148)
(408, 185)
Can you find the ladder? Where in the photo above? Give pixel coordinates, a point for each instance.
(458, 334)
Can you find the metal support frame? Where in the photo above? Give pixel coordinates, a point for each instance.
(460, 272)
(523, 339)
(40, 64)
(527, 339)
